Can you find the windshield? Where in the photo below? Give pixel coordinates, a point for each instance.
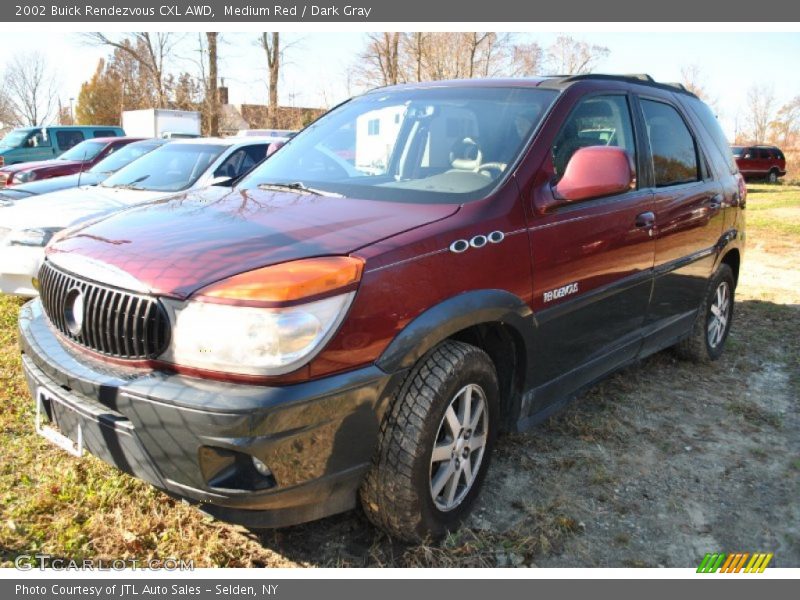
(737, 151)
(124, 156)
(171, 168)
(84, 151)
(437, 145)
(14, 138)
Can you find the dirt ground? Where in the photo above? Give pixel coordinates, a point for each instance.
(655, 466)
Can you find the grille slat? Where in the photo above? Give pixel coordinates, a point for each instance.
(115, 322)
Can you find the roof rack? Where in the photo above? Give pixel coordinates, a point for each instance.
(638, 78)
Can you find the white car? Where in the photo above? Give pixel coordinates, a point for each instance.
(26, 227)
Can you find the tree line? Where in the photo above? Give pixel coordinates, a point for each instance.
(140, 71)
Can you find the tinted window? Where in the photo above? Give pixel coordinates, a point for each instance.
(779, 154)
(68, 139)
(241, 161)
(104, 133)
(711, 125)
(738, 151)
(596, 121)
(38, 139)
(671, 144)
(444, 144)
(765, 153)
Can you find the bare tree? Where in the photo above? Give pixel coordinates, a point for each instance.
(527, 59)
(150, 50)
(693, 79)
(569, 56)
(760, 106)
(786, 126)
(414, 49)
(271, 44)
(380, 60)
(30, 90)
(7, 116)
(212, 95)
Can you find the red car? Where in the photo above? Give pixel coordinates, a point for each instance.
(760, 162)
(80, 157)
(333, 331)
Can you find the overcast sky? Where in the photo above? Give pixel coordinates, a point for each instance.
(317, 63)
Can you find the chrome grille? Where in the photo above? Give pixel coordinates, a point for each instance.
(115, 322)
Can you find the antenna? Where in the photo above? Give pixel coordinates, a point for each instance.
(83, 162)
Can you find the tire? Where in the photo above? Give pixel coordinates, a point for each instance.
(772, 177)
(707, 342)
(398, 492)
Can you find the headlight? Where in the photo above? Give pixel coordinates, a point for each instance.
(23, 177)
(269, 321)
(32, 237)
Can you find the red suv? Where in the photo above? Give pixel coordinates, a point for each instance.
(760, 162)
(364, 327)
(80, 157)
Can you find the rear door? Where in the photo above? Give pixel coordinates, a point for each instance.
(592, 260)
(689, 220)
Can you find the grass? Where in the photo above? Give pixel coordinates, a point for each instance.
(53, 503)
(774, 209)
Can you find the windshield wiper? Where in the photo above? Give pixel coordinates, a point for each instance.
(298, 186)
(130, 186)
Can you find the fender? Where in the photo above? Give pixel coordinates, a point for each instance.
(453, 315)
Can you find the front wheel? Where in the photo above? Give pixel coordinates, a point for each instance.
(713, 322)
(434, 445)
(772, 177)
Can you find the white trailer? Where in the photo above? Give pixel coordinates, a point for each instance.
(160, 122)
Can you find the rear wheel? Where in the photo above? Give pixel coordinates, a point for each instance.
(434, 445)
(713, 322)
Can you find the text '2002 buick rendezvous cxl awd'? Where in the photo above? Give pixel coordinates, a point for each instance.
(422, 268)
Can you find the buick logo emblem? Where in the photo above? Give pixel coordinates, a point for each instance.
(73, 311)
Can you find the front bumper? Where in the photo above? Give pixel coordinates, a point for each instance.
(187, 436)
(19, 265)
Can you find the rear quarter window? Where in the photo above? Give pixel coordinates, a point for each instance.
(709, 122)
(104, 133)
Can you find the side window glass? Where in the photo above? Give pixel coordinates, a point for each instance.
(671, 144)
(596, 121)
(37, 139)
(68, 139)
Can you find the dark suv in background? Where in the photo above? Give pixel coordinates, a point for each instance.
(363, 324)
(760, 162)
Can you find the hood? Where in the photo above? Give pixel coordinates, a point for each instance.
(71, 206)
(177, 246)
(40, 164)
(54, 184)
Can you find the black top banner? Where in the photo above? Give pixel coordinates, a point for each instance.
(376, 11)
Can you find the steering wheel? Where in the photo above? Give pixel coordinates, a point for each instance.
(495, 169)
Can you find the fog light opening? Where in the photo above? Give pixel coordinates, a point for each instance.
(261, 468)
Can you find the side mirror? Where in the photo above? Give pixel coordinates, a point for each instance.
(594, 172)
(221, 180)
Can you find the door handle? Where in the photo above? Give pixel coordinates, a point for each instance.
(645, 219)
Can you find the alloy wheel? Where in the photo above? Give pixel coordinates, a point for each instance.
(459, 447)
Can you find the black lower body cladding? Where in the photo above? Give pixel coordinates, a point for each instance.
(196, 439)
